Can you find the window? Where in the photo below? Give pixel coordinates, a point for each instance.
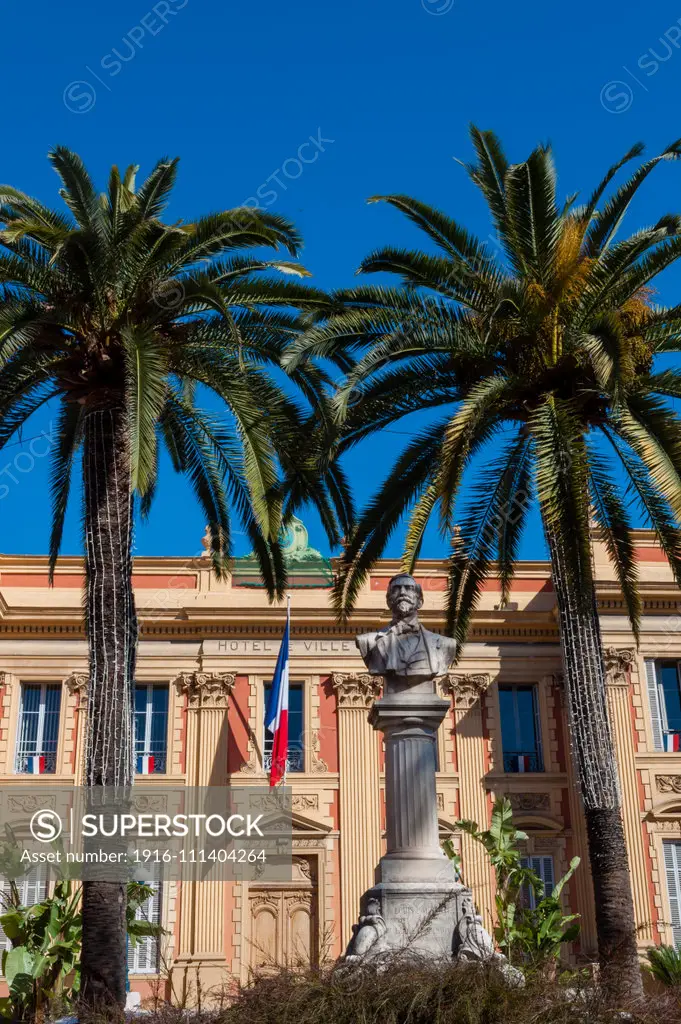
(542, 866)
(664, 699)
(32, 889)
(672, 867)
(295, 756)
(520, 729)
(151, 728)
(38, 729)
(143, 956)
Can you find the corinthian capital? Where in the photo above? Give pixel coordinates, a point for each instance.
(77, 683)
(618, 665)
(206, 689)
(356, 691)
(465, 689)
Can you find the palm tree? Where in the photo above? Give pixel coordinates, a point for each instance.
(541, 356)
(117, 317)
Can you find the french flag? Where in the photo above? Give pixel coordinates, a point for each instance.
(673, 741)
(36, 765)
(276, 719)
(523, 762)
(145, 764)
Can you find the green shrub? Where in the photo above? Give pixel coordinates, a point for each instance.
(532, 935)
(404, 993)
(664, 963)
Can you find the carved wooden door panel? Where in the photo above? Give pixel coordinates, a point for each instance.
(283, 922)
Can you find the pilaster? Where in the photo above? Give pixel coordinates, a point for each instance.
(359, 798)
(10, 687)
(76, 686)
(202, 903)
(467, 691)
(618, 680)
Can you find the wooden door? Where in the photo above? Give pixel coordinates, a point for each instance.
(283, 921)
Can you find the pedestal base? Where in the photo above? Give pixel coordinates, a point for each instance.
(421, 917)
(417, 918)
(415, 908)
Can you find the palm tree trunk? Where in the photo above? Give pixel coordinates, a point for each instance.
(112, 637)
(594, 757)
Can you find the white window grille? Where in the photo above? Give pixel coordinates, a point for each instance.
(38, 730)
(151, 728)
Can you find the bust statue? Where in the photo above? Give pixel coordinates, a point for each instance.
(404, 652)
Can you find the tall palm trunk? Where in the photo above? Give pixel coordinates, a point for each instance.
(594, 757)
(112, 637)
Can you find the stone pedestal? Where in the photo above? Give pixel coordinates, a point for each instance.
(421, 902)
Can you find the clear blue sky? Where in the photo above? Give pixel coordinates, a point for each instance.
(234, 89)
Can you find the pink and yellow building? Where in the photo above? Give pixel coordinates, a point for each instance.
(206, 654)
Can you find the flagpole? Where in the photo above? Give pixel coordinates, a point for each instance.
(288, 622)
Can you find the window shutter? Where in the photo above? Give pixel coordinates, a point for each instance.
(542, 866)
(33, 889)
(654, 705)
(143, 957)
(4, 891)
(671, 864)
(546, 874)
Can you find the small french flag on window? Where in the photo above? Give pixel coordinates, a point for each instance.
(673, 741)
(36, 765)
(523, 762)
(145, 764)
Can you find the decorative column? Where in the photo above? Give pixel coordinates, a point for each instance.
(466, 691)
(618, 668)
(202, 903)
(77, 685)
(8, 721)
(360, 814)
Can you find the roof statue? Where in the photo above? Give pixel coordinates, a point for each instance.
(306, 566)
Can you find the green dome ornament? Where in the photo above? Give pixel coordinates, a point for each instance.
(306, 566)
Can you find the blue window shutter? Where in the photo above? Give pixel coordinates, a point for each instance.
(546, 874)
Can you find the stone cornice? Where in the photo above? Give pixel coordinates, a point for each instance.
(465, 689)
(206, 690)
(355, 690)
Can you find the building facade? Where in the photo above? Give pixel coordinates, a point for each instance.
(206, 656)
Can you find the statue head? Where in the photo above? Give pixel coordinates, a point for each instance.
(373, 907)
(404, 596)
